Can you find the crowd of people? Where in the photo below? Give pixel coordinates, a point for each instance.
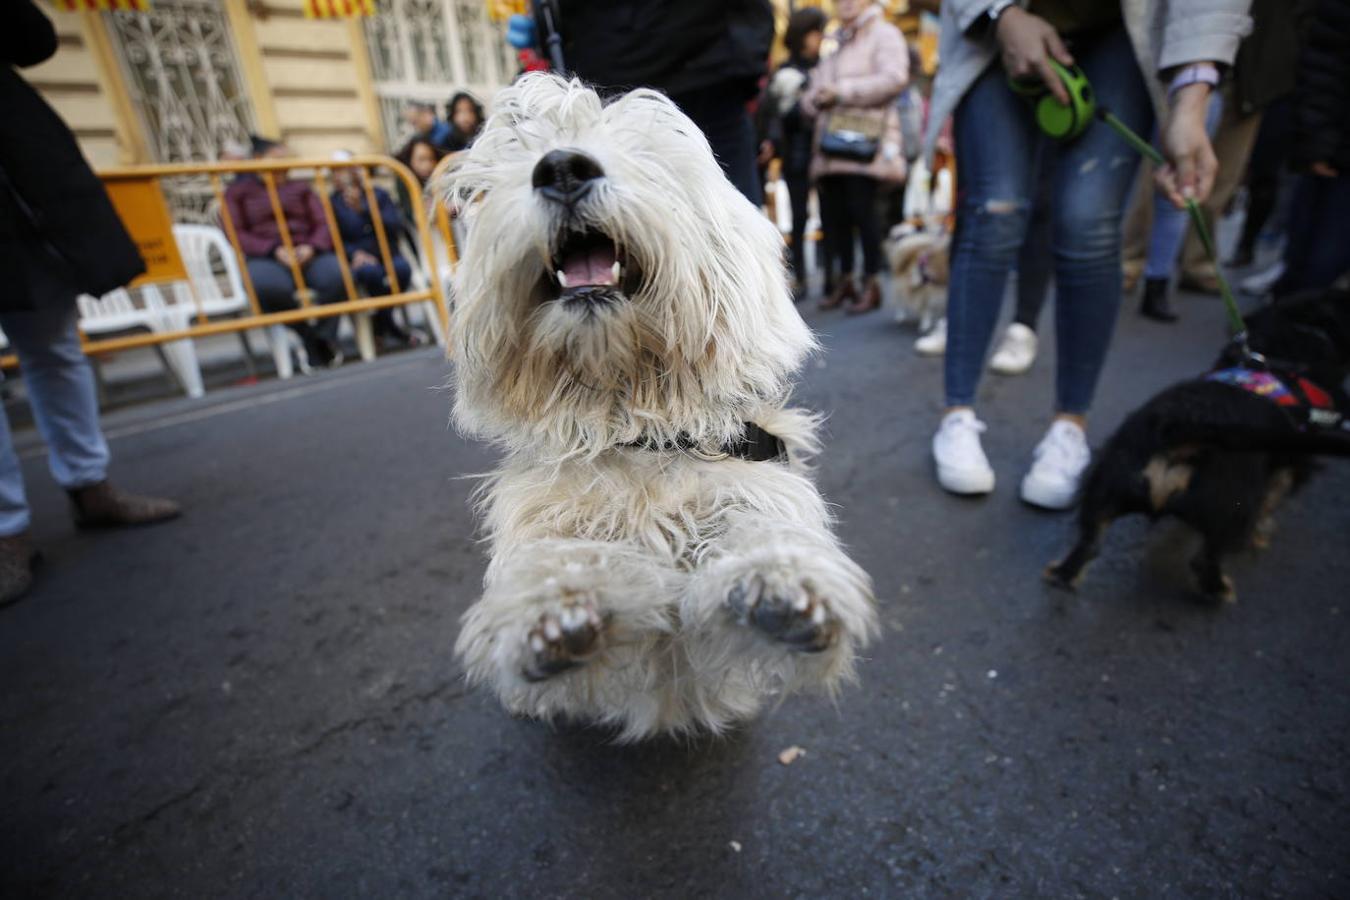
(1227, 88)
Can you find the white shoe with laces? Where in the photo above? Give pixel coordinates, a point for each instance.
(1016, 352)
(962, 467)
(934, 343)
(1057, 467)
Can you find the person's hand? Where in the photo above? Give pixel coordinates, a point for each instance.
(1324, 169)
(826, 97)
(282, 255)
(1028, 43)
(1191, 164)
(362, 258)
(765, 153)
(303, 253)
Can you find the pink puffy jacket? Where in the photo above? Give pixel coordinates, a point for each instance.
(869, 69)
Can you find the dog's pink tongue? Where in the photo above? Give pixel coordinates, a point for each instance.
(590, 267)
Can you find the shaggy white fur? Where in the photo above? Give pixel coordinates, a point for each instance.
(653, 588)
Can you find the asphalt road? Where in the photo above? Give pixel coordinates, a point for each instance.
(260, 699)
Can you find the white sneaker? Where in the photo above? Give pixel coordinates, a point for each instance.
(1262, 281)
(1057, 467)
(1016, 352)
(962, 467)
(934, 343)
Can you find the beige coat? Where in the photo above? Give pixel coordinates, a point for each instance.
(868, 69)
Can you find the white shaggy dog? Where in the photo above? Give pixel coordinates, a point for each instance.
(623, 330)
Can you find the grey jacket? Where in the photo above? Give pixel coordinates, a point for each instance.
(1165, 34)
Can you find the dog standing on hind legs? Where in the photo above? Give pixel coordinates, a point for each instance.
(624, 332)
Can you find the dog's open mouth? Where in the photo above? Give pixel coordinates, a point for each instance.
(589, 266)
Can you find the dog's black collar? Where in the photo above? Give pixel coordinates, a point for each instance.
(756, 445)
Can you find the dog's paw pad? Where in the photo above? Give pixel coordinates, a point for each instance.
(562, 639)
(796, 616)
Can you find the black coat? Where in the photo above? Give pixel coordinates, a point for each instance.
(677, 46)
(1322, 98)
(59, 233)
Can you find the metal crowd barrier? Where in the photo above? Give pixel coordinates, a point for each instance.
(320, 176)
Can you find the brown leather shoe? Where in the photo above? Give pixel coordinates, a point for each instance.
(104, 506)
(870, 299)
(17, 558)
(844, 289)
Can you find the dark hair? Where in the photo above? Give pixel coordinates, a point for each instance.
(454, 101)
(800, 24)
(405, 155)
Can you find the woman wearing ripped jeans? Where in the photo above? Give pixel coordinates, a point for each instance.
(1143, 58)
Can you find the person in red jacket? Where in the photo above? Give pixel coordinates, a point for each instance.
(268, 259)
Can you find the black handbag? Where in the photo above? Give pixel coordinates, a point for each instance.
(853, 134)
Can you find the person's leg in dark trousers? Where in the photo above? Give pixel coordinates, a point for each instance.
(720, 113)
(799, 191)
(861, 193)
(1268, 159)
(1316, 251)
(833, 193)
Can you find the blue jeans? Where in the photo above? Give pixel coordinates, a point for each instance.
(276, 288)
(997, 151)
(64, 398)
(371, 276)
(1170, 223)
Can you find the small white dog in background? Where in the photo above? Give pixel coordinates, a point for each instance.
(919, 261)
(623, 331)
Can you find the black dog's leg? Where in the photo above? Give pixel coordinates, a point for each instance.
(1066, 573)
(1209, 575)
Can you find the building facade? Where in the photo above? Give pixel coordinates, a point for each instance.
(187, 78)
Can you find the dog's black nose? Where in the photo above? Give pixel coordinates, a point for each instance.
(564, 176)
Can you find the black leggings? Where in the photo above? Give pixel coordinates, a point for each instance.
(848, 202)
(799, 190)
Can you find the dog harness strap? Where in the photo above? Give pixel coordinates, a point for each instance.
(1302, 399)
(756, 445)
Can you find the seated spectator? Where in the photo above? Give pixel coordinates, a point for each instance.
(268, 259)
(421, 117)
(466, 120)
(420, 155)
(359, 239)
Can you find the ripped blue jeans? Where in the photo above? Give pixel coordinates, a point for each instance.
(998, 148)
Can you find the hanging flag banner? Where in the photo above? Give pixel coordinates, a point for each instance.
(124, 5)
(338, 9)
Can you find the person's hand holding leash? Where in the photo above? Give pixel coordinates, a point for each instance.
(1028, 42)
(1191, 164)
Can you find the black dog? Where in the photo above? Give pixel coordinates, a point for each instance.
(1220, 452)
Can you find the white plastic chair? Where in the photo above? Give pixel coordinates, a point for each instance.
(117, 312)
(197, 244)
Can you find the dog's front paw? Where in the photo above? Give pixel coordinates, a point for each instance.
(789, 612)
(565, 636)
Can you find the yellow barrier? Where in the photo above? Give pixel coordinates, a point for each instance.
(258, 318)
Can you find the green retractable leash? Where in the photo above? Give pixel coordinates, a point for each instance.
(1067, 121)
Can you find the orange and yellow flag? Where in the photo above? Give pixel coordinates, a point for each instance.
(337, 9)
(125, 5)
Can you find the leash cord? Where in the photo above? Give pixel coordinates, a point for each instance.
(1235, 322)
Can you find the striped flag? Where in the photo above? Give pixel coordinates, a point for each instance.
(125, 5)
(336, 9)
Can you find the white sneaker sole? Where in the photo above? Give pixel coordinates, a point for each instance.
(965, 481)
(1046, 495)
(1010, 367)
